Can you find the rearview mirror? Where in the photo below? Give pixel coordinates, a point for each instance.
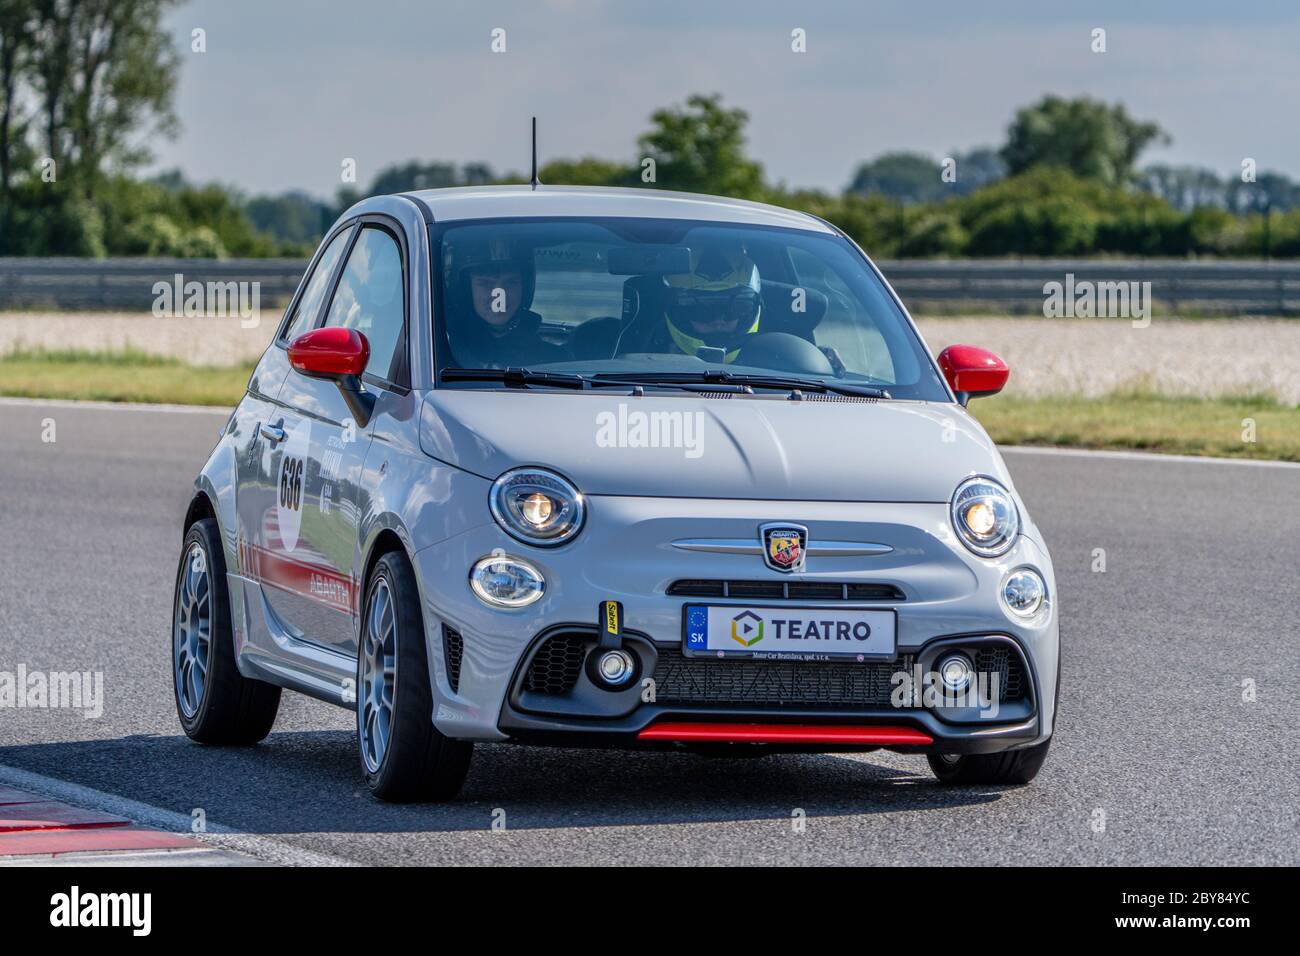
(649, 259)
(339, 354)
(973, 372)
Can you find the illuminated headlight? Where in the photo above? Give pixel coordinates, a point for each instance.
(503, 581)
(1024, 592)
(537, 507)
(985, 517)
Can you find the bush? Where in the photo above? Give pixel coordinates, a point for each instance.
(1054, 227)
(1281, 238)
(933, 232)
(875, 223)
(1215, 232)
(45, 221)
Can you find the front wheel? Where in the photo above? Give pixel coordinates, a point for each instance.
(403, 755)
(215, 703)
(1015, 767)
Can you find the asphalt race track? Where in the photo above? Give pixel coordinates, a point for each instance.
(1157, 758)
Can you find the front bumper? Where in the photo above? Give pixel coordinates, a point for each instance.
(480, 657)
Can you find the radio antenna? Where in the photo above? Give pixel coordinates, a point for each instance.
(535, 181)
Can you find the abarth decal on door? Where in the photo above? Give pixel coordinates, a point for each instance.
(304, 578)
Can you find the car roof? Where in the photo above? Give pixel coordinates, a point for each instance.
(518, 202)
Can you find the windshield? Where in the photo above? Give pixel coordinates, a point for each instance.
(669, 300)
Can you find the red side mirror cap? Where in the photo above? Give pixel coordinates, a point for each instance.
(330, 352)
(974, 371)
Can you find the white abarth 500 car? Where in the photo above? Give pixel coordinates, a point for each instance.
(619, 468)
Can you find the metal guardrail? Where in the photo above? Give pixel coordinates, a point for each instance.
(1227, 288)
(1224, 288)
(128, 285)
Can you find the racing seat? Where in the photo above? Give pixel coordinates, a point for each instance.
(599, 337)
(779, 314)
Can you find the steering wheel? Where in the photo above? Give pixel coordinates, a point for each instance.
(784, 352)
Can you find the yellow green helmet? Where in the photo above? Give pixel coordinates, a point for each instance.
(717, 303)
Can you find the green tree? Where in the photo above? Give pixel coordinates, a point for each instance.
(588, 171)
(292, 216)
(435, 175)
(17, 24)
(977, 168)
(104, 73)
(1086, 137)
(1184, 187)
(701, 149)
(907, 177)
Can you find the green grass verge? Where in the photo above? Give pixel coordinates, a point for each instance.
(127, 376)
(1134, 419)
(1146, 422)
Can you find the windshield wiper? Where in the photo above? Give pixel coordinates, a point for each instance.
(516, 377)
(523, 378)
(724, 377)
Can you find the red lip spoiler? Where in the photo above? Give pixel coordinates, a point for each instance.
(785, 734)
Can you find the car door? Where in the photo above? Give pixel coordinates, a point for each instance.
(261, 419)
(324, 448)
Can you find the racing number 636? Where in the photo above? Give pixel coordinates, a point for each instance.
(291, 484)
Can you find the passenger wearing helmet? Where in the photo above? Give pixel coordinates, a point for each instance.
(715, 305)
(490, 322)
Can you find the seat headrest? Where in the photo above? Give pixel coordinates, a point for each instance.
(779, 302)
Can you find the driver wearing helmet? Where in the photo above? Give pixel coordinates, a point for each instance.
(715, 305)
(490, 322)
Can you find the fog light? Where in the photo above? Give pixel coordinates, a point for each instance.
(955, 672)
(1024, 592)
(615, 668)
(503, 581)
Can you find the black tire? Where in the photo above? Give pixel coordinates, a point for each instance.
(1014, 767)
(419, 763)
(232, 709)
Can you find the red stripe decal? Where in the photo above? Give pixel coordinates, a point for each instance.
(786, 734)
(312, 581)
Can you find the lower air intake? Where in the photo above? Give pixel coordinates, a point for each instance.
(748, 683)
(453, 646)
(556, 665)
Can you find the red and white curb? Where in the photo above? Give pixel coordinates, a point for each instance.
(31, 825)
(48, 821)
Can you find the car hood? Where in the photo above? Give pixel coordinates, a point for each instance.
(683, 445)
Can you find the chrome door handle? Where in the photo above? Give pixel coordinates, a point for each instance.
(272, 433)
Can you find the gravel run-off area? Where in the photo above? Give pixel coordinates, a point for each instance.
(1090, 357)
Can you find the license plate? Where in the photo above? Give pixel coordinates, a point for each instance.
(790, 633)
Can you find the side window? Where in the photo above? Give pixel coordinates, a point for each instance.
(370, 297)
(317, 286)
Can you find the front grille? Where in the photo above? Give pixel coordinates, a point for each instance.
(739, 682)
(556, 665)
(756, 589)
(774, 683)
(748, 683)
(785, 590)
(453, 646)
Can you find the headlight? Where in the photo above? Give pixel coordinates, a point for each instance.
(985, 517)
(537, 507)
(1024, 592)
(503, 581)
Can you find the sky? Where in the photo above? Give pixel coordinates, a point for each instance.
(289, 89)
